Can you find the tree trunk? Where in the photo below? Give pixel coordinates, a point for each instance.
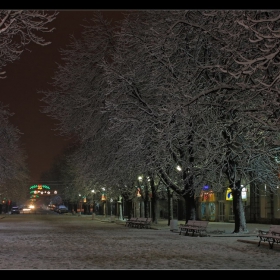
(153, 202)
(238, 210)
(169, 205)
(190, 207)
(146, 202)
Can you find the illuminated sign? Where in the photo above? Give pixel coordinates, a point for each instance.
(205, 188)
(229, 194)
(39, 187)
(206, 194)
(243, 194)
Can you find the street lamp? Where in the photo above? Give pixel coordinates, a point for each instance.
(103, 198)
(93, 202)
(179, 168)
(111, 200)
(80, 204)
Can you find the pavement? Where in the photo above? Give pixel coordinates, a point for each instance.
(48, 240)
(213, 228)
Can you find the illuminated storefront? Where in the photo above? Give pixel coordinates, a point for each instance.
(207, 204)
(218, 207)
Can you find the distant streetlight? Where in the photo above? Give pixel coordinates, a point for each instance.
(103, 198)
(93, 202)
(80, 204)
(138, 187)
(179, 168)
(111, 200)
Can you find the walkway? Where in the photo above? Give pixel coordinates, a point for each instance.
(66, 242)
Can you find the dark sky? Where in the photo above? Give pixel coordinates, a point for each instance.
(31, 73)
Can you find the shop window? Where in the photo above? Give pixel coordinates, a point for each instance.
(231, 215)
(203, 211)
(212, 210)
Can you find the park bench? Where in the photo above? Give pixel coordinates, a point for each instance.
(148, 223)
(185, 227)
(130, 222)
(194, 227)
(139, 222)
(271, 236)
(144, 222)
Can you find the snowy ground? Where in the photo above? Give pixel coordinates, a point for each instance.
(68, 242)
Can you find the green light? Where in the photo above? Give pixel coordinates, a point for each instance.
(36, 187)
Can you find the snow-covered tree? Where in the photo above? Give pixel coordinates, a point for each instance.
(169, 79)
(247, 106)
(13, 168)
(168, 89)
(18, 28)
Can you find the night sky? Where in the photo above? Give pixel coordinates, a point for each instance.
(31, 73)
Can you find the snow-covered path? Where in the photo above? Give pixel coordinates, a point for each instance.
(70, 242)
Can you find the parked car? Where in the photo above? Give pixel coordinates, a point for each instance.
(51, 207)
(62, 209)
(15, 210)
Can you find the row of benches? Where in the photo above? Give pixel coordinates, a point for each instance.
(139, 222)
(271, 236)
(194, 227)
(199, 227)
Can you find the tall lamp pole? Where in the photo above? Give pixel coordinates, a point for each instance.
(80, 204)
(103, 198)
(111, 200)
(93, 202)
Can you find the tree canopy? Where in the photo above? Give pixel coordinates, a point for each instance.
(18, 28)
(161, 89)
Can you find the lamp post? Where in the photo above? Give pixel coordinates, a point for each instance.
(138, 200)
(103, 198)
(120, 208)
(93, 204)
(111, 200)
(80, 204)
